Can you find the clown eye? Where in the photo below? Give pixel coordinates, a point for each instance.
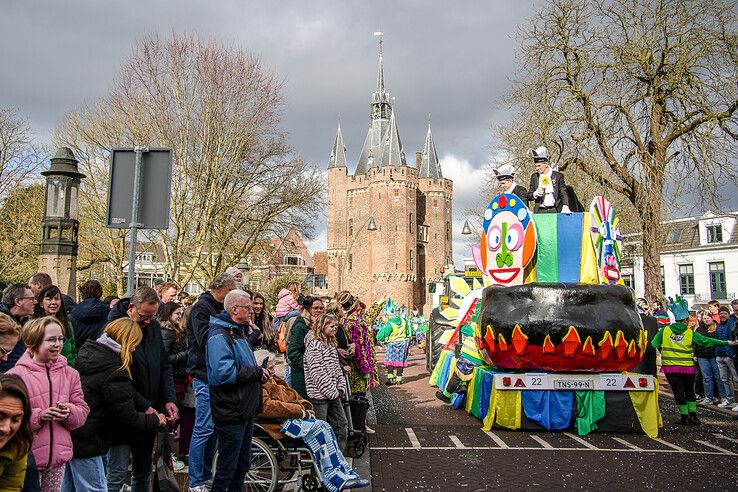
(494, 239)
(514, 237)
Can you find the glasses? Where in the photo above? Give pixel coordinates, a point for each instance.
(247, 308)
(55, 340)
(4, 351)
(28, 297)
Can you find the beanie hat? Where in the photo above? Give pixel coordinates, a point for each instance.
(724, 309)
(642, 305)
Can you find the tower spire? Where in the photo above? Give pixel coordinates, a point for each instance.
(430, 167)
(338, 153)
(380, 71)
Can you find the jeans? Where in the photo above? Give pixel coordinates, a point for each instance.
(140, 455)
(202, 445)
(332, 412)
(234, 455)
(710, 374)
(85, 475)
(728, 375)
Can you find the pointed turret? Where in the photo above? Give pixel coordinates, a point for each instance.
(394, 154)
(338, 154)
(430, 167)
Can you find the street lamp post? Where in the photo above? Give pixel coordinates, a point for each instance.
(370, 225)
(60, 227)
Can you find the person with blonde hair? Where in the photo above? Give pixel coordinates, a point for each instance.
(105, 370)
(324, 379)
(9, 335)
(57, 402)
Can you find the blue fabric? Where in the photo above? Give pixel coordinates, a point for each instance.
(569, 245)
(202, 445)
(223, 356)
(321, 441)
(710, 373)
(234, 455)
(485, 393)
(443, 376)
(85, 475)
(723, 332)
(457, 400)
(550, 409)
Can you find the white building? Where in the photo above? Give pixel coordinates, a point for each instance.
(699, 258)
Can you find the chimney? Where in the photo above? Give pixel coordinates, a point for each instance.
(418, 158)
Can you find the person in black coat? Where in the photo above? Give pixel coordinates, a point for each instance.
(104, 365)
(152, 380)
(505, 174)
(202, 445)
(547, 187)
(89, 316)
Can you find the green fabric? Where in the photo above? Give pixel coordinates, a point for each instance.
(675, 353)
(295, 354)
(707, 342)
(69, 349)
(590, 409)
(692, 406)
(683, 409)
(12, 468)
(547, 255)
(477, 395)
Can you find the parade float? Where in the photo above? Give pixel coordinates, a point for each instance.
(550, 338)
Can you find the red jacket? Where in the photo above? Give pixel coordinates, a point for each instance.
(49, 384)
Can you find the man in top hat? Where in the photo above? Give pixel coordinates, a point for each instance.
(548, 186)
(505, 174)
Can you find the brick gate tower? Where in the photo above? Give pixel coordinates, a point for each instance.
(389, 224)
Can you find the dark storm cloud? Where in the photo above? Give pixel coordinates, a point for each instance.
(450, 60)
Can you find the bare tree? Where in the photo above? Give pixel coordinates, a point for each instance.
(235, 178)
(639, 95)
(20, 232)
(20, 157)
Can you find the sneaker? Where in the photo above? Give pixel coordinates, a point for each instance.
(735, 408)
(726, 403)
(369, 430)
(199, 488)
(177, 465)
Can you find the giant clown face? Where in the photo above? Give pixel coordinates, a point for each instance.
(508, 241)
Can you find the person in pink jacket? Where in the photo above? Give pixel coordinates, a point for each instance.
(287, 300)
(55, 392)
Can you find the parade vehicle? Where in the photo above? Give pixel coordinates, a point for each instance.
(550, 337)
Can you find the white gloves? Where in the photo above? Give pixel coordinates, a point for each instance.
(565, 210)
(538, 193)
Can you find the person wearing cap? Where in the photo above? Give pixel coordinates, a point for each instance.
(675, 342)
(548, 188)
(505, 174)
(236, 274)
(724, 358)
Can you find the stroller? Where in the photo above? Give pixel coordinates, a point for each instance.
(356, 408)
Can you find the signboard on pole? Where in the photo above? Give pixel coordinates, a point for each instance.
(155, 193)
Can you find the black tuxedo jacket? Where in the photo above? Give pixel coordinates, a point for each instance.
(561, 197)
(520, 191)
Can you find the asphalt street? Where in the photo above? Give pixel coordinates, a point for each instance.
(423, 444)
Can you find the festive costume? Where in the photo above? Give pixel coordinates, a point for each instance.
(396, 333)
(554, 197)
(675, 342)
(507, 172)
(363, 375)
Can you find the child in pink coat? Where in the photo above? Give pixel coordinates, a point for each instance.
(287, 300)
(57, 403)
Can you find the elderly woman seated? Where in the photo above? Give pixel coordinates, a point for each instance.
(295, 418)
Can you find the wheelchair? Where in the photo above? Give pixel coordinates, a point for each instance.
(277, 463)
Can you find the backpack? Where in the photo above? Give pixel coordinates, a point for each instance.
(281, 337)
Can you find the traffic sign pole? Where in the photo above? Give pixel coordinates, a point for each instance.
(134, 225)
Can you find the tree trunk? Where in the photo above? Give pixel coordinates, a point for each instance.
(649, 202)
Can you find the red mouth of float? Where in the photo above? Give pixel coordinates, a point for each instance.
(504, 275)
(611, 273)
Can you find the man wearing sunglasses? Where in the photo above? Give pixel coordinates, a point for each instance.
(152, 379)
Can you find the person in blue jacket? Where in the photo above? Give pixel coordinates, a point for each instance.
(235, 382)
(724, 358)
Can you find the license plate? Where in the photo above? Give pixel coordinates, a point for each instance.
(574, 384)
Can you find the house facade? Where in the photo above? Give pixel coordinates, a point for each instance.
(699, 258)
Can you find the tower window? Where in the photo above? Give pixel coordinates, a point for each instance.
(412, 260)
(448, 231)
(351, 227)
(350, 262)
(410, 223)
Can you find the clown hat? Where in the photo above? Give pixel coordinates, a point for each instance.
(505, 171)
(539, 155)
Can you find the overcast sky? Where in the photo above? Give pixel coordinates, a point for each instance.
(450, 60)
